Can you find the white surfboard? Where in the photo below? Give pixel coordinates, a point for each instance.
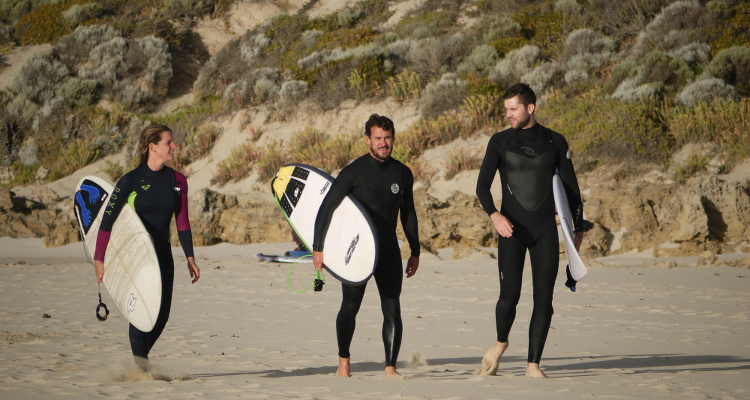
(350, 251)
(131, 269)
(577, 268)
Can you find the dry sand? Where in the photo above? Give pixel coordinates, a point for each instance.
(633, 330)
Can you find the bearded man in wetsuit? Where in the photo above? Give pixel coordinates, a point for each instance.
(527, 156)
(384, 187)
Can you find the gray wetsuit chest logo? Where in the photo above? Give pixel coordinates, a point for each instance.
(394, 188)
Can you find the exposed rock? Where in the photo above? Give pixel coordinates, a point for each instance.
(707, 259)
(206, 208)
(41, 174)
(670, 264)
(459, 222)
(6, 200)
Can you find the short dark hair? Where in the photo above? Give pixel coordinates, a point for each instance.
(525, 95)
(381, 122)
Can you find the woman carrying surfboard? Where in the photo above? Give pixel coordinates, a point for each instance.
(527, 156)
(156, 192)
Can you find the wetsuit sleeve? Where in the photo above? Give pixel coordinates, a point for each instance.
(182, 220)
(409, 214)
(112, 210)
(570, 181)
(487, 173)
(341, 187)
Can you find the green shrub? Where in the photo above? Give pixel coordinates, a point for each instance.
(238, 165)
(516, 64)
(461, 160)
(39, 77)
(601, 130)
(724, 123)
(75, 48)
(76, 156)
(693, 164)
(482, 58)
(734, 30)
(436, 56)
(706, 90)
(426, 24)
(445, 94)
(81, 12)
(405, 86)
(733, 66)
(78, 93)
(114, 170)
(270, 161)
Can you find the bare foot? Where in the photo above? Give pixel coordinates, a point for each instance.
(533, 371)
(143, 364)
(344, 370)
(391, 373)
(491, 359)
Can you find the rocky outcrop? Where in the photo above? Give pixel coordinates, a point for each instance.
(40, 215)
(704, 214)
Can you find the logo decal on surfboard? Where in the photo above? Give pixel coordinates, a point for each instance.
(131, 302)
(325, 187)
(349, 252)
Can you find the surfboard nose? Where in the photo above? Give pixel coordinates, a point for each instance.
(281, 180)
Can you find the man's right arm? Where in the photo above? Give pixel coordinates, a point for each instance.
(487, 175)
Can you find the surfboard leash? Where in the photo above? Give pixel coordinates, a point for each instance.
(101, 305)
(317, 283)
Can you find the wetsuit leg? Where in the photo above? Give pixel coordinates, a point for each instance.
(346, 320)
(511, 256)
(544, 265)
(389, 277)
(142, 342)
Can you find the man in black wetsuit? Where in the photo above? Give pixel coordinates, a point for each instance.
(527, 156)
(384, 186)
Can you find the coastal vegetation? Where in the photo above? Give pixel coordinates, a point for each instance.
(622, 81)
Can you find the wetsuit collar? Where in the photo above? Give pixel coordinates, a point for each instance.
(151, 173)
(377, 163)
(532, 133)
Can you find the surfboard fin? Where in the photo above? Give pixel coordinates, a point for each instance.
(570, 283)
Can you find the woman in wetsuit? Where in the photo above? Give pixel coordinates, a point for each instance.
(156, 192)
(527, 156)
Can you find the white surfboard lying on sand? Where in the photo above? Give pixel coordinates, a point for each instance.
(577, 269)
(351, 248)
(131, 269)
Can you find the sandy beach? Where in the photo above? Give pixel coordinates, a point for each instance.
(634, 329)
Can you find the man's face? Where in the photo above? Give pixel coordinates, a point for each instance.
(380, 142)
(520, 116)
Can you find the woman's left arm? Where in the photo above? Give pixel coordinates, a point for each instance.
(183, 226)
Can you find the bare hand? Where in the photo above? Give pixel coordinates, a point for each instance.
(502, 224)
(318, 260)
(411, 266)
(195, 273)
(577, 240)
(99, 270)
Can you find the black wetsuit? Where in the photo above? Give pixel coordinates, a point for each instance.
(155, 196)
(527, 160)
(384, 188)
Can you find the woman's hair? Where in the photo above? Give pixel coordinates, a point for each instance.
(151, 134)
